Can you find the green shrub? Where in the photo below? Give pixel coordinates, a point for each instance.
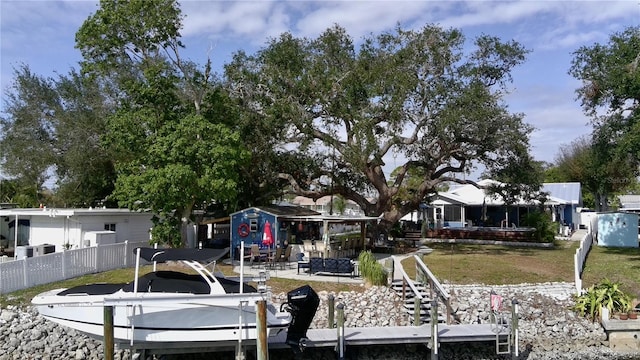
(606, 294)
(545, 228)
(397, 231)
(371, 270)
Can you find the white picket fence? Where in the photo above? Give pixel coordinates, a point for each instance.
(582, 252)
(31, 271)
(580, 258)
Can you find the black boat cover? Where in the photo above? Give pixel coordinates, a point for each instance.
(206, 255)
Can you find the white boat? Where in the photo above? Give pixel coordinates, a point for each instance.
(173, 307)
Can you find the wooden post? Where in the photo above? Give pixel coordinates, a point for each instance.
(331, 305)
(340, 343)
(108, 333)
(261, 328)
(416, 311)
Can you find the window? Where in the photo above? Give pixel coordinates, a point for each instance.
(452, 213)
(110, 227)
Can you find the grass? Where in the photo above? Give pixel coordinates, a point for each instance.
(620, 265)
(498, 265)
(456, 263)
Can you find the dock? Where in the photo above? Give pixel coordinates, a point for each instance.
(394, 335)
(353, 336)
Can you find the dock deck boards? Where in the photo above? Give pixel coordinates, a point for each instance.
(389, 335)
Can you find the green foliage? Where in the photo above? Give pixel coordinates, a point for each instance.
(517, 180)
(397, 231)
(340, 204)
(609, 95)
(175, 145)
(591, 162)
(371, 270)
(418, 93)
(53, 127)
(606, 294)
(541, 221)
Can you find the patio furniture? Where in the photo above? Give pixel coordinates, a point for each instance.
(331, 266)
(316, 264)
(286, 257)
(302, 264)
(275, 258)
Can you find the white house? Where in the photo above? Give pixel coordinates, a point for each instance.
(465, 205)
(72, 228)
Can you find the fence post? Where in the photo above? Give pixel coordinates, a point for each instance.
(25, 272)
(97, 260)
(126, 253)
(64, 264)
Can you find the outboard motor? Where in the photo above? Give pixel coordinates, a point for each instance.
(303, 303)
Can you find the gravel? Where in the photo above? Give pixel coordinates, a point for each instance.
(548, 329)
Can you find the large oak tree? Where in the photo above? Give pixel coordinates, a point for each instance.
(418, 95)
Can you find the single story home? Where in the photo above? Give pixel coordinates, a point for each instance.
(71, 228)
(468, 205)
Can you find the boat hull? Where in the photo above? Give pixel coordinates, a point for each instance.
(160, 317)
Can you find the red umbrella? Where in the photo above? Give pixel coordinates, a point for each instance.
(267, 237)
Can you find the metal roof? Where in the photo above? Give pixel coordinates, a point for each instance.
(629, 202)
(470, 195)
(567, 191)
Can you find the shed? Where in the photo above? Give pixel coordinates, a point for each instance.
(618, 229)
(289, 224)
(248, 225)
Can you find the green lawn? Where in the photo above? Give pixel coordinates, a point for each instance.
(616, 264)
(498, 265)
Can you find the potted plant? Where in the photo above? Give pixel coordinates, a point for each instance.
(633, 314)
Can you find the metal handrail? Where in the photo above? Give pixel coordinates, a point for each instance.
(434, 284)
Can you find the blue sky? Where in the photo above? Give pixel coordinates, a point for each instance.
(41, 34)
